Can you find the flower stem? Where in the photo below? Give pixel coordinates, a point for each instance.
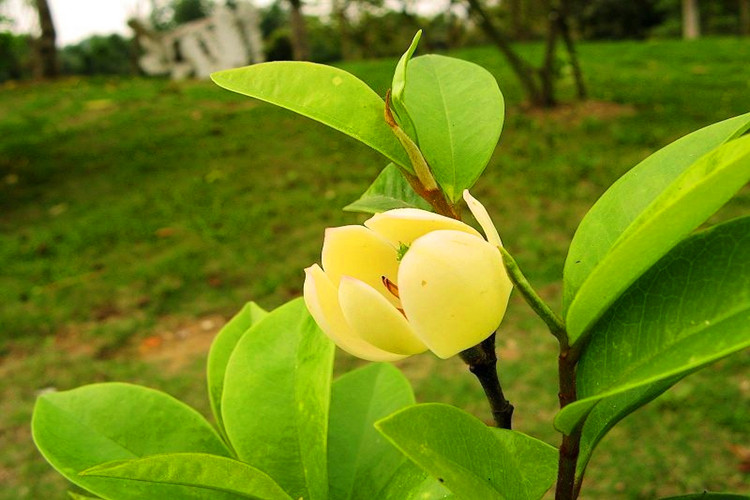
(553, 321)
(482, 362)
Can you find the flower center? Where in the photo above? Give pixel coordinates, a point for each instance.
(390, 286)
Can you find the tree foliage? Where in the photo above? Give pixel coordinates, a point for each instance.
(15, 56)
(167, 15)
(98, 55)
(616, 20)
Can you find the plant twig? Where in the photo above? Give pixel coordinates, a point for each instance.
(553, 321)
(566, 488)
(482, 362)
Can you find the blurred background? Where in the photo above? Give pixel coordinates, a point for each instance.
(141, 206)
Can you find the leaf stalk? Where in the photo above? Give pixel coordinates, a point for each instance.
(554, 322)
(567, 488)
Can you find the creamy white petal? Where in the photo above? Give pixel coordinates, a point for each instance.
(375, 320)
(454, 290)
(360, 253)
(481, 215)
(404, 225)
(321, 299)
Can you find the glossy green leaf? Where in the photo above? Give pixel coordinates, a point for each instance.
(324, 93)
(389, 190)
(412, 483)
(361, 462)
(469, 458)
(81, 428)
(648, 211)
(398, 87)
(610, 411)
(221, 350)
(457, 110)
(206, 474)
(78, 496)
(690, 309)
(276, 399)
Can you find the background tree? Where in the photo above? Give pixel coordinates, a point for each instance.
(98, 55)
(46, 51)
(300, 44)
(190, 10)
(617, 20)
(538, 83)
(341, 10)
(691, 24)
(15, 56)
(168, 14)
(518, 19)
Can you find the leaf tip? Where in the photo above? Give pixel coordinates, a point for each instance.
(417, 37)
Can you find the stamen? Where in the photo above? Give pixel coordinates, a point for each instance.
(390, 286)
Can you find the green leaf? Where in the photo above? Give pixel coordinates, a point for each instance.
(610, 411)
(648, 211)
(361, 463)
(412, 483)
(690, 309)
(469, 458)
(324, 93)
(207, 474)
(78, 429)
(276, 399)
(389, 190)
(221, 350)
(458, 112)
(78, 496)
(398, 88)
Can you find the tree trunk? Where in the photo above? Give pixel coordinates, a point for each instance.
(455, 28)
(547, 72)
(745, 17)
(517, 20)
(538, 84)
(47, 53)
(300, 47)
(570, 47)
(339, 10)
(691, 24)
(524, 72)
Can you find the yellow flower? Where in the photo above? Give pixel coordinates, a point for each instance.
(408, 281)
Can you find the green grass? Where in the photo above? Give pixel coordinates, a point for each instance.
(128, 205)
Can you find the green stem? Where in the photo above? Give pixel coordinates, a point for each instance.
(418, 162)
(553, 321)
(566, 488)
(422, 181)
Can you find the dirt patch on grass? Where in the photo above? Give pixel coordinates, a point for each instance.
(573, 113)
(173, 343)
(176, 342)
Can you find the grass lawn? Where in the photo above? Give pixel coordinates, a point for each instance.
(137, 215)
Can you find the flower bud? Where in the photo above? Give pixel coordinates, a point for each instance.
(408, 281)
